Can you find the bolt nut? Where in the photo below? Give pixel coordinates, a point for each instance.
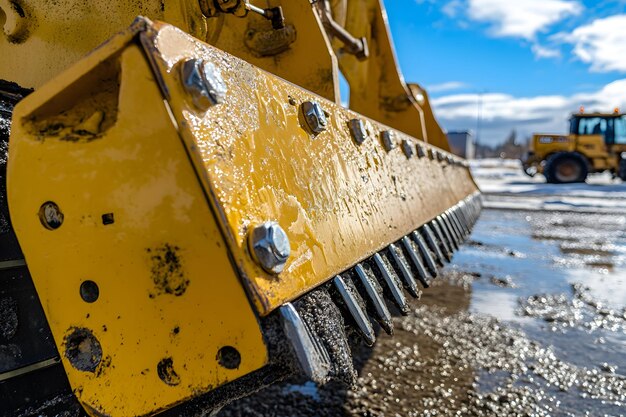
(203, 82)
(407, 148)
(358, 131)
(314, 116)
(269, 246)
(388, 138)
(421, 152)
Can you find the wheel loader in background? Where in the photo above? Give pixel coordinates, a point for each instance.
(188, 214)
(596, 143)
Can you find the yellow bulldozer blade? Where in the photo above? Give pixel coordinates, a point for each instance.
(174, 202)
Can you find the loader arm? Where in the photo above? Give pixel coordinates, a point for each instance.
(187, 210)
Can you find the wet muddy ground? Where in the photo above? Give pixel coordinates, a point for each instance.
(529, 320)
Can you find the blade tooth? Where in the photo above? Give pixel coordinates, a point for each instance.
(432, 243)
(462, 230)
(393, 284)
(401, 266)
(426, 254)
(373, 293)
(418, 266)
(443, 242)
(449, 230)
(314, 364)
(463, 219)
(355, 307)
(441, 221)
(464, 216)
(455, 227)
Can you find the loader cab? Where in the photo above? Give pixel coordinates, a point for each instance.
(611, 126)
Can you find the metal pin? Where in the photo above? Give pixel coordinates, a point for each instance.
(422, 274)
(353, 302)
(445, 249)
(390, 278)
(381, 312)
(311, 360)
(430, 262)
(12, 264)
(400, 264)
(432, 242)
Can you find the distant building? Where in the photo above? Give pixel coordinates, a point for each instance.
(462, 143)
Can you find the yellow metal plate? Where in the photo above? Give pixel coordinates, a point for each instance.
(339, 202)
(99, 142)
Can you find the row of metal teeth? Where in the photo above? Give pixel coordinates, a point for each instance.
(361, 291)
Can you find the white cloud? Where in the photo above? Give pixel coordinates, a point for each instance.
(448, 86)
(521, 18)
(452, 8)
(503, 112)
(602, 43)
(544, 51)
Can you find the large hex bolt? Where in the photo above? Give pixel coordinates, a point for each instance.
(358, 130)
(269, 246)
(203, 82)
(314, 116)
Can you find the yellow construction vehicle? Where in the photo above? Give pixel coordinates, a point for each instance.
(595, 143)
(187, 212)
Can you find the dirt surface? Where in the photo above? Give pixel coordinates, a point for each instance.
(520, 325)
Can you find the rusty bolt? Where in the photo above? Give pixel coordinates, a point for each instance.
(269, 245)
(203, 82)
(314, 116)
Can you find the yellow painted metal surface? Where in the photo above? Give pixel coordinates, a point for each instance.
(40, 38)
(99, 142)
(43, 37)
(377, 87)
(339, 202)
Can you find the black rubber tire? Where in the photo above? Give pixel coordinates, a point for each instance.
(621, 170)
(566, 167)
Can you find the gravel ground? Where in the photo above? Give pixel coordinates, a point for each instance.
(517, 327)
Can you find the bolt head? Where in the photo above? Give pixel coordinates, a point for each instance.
(388, 139)
(358, 130)
(269, 246)
(407, 148)
(420, 151)
(314, 116)
(203, 82)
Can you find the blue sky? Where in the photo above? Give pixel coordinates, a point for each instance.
(530, 62)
